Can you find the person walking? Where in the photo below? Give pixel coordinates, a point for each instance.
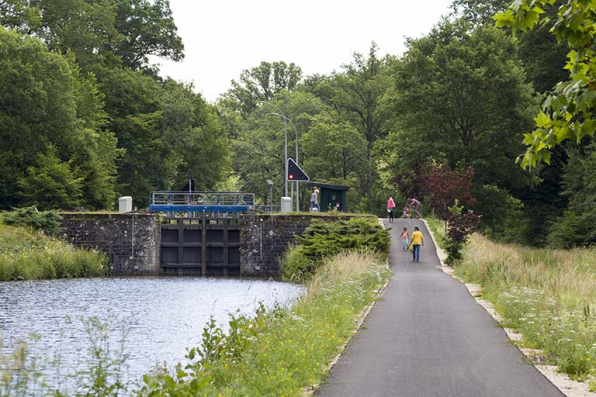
(405, 238)
(314, 200)
(417, 241)
(390, 207)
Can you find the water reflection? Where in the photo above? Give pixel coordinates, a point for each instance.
(163, 316)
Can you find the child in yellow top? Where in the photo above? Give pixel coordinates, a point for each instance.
(417, 241)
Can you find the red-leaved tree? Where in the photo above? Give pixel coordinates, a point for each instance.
(462, 224)
(444, 186)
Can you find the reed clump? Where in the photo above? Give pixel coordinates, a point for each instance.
(26, 254)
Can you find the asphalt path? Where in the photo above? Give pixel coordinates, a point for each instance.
(427, 336)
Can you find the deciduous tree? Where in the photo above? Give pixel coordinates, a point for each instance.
(445, 187)
(45, 101)
(568, 113)
(107, 32)
(262, 83)
(357, 94)
(461, 96)
(334, 150)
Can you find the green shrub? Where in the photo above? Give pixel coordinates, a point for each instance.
(322, 240)
(45, 221)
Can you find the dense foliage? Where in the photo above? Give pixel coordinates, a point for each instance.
(323, 239)
(577, 225)
(84, 116)
(568, 112)
(447, 187)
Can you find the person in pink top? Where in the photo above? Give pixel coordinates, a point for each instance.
(390, 207)
(405, 239)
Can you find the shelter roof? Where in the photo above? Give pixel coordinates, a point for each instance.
(327, 185)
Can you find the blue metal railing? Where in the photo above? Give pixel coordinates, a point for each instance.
(201, 202)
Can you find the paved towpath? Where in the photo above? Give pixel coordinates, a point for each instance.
(428, 337)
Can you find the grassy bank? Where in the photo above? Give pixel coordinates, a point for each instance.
(437, 227)
(283, 352)
(287, 351)
(29, 255)
(547, 295)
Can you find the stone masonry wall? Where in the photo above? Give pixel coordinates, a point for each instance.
(131, 241)
(264, 240)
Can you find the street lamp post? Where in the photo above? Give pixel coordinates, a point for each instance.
(285, 145)
(297, 162)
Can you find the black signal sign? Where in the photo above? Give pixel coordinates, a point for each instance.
(295, 173)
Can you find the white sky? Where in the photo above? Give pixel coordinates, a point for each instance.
(223, 37)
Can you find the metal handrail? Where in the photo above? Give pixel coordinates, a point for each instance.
(201, 201)
(268, 208)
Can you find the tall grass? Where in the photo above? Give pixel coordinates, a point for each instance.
(547, 295)
(286, 351)
(29, 255)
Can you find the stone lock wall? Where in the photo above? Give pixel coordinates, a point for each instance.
(264, 240)
(131, 241)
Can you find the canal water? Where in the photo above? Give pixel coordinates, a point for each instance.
(155, 319)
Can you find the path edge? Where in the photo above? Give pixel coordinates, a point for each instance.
(310, 390)
(566, 385)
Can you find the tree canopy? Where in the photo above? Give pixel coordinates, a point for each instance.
(85, 117)
(568, 113)
(80, 106)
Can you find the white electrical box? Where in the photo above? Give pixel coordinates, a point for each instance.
(125, 204)
(286, 204)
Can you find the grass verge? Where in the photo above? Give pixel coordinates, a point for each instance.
(286, 351)
(437, 227)
(548, 296)
(29, 255)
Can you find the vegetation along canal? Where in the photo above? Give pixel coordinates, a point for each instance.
(155, 318)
